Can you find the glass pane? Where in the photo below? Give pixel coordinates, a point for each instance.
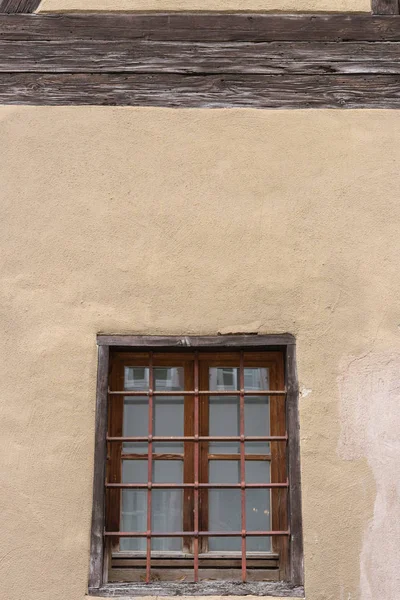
(169, 379)
(167, 505)
(258, 505)
(134, 504)
(225, 505)
(135, 423)
(136, 378)
(257, 409)
(168, 410)
(223, 410)
(135, 416)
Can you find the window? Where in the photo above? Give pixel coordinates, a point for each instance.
(195, 463)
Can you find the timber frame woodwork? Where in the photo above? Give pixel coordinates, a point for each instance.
(107, 346)
(202, 59)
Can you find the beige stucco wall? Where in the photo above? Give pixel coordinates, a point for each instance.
(266, 5)
(198, 222)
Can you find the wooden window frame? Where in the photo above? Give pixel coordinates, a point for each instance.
(293, 583)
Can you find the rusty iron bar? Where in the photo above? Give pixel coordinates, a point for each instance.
(199, 393)
(149, 470)
(242, 466)
(136, 534)
(196, 468)
(178, 486)
(196, 485)
(201, 438)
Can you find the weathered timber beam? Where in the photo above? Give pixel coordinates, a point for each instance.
(385, 7)
(18, 6)
(199, 57)
(211, 91)
(204, 588)
(201, 27)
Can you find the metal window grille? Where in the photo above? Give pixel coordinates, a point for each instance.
(196, 439)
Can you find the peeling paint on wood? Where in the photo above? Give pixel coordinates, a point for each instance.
(204, 588)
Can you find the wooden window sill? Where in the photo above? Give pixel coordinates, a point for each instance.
(278, 589)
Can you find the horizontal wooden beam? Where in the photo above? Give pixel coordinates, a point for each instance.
(199, 57)
(385, 7)
(204, 588)
(201, 60)
(202, 91)
(195, 341)
(18, 6)
(211, 26)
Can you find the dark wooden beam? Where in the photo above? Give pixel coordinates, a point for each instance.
(385, 7)
(195, 341)
(100, 459)
(201, 60)
(202, 91)
(18, 6)
(202, 27)
(294, 470)
(138, 56)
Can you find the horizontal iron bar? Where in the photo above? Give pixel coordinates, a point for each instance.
(174, 486)
(201, 438)
(200, 392)
(152, 534)
(126, 555)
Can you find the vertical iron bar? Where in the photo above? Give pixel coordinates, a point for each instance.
(149, 468)
(196, 468)
(242, 465)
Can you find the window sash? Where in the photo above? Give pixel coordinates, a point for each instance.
(271, 360)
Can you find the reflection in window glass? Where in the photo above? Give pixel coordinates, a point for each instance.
(166, 504)
(168, 411)
(224, 411)
(225, 505)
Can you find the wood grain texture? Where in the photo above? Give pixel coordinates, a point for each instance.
(200, 57)
(192, 341)
(211, 60)
(98, 510)
(294, 471)
(18, 6)
(204, 588)
(385, 7)
(202, 91)
(211, 26)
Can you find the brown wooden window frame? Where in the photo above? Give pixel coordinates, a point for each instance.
(197, 354)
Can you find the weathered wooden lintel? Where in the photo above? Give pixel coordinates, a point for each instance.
(201, 26)
(193, 341)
